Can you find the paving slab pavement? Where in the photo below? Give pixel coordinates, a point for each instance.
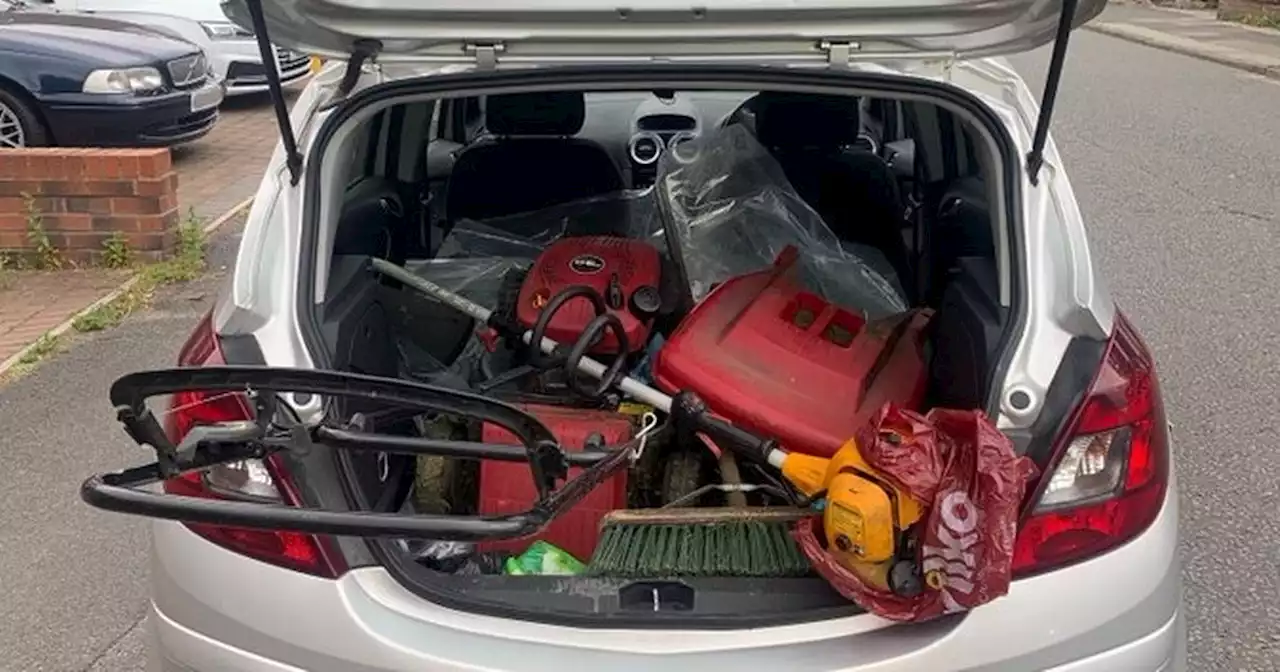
(215, 174)
(225, 167)
(1195, 33)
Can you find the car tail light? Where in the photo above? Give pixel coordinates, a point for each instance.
(1110, 467)
(250, 480)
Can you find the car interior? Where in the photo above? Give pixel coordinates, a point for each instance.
(899, 183)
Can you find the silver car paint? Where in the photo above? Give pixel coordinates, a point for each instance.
(217, 610)
(444, 31)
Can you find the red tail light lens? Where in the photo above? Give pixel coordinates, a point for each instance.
(1109, 472)
(250, 480)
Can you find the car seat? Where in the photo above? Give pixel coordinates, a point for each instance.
(852, 189)
(530, 159)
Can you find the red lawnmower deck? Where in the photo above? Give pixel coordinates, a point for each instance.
(775, 358)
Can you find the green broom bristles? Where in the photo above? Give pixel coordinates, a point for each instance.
(698, 543)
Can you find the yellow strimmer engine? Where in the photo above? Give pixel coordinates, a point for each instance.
(866, 520)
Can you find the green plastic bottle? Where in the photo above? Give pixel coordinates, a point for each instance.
(543, 559)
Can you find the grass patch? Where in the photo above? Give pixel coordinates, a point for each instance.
(116, 252)
(1267, 20)
(186, 264)
(46, 257)
(47, 345)
(40, 350)
(6, 271)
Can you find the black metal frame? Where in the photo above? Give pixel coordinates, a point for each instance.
(1035, 157)
(292, 157)
(119, 491)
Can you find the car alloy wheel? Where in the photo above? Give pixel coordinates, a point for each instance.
(11, 132)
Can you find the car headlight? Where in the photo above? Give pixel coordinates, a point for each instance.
(127, 80)
(225, 30)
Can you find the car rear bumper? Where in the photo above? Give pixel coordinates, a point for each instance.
(214, 610)
(175, 648)
(89, 121)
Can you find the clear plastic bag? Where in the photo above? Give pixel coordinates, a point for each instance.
(525, 235)
(733, 211)
(478, 278)
(427, 331)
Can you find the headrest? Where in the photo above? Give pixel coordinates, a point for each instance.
(546, 113)
(798, 120)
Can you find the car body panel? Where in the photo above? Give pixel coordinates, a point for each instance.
(70, 47)
(228, 57)
(49, 54)
(1120, 610)
(81, 120)
(1128, 618)
(435, 29)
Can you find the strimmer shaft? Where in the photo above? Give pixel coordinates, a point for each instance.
(627, 385)
(717, 429)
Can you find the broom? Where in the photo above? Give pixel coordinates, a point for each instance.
(740, 542)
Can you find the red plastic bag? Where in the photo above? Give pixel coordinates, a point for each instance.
(965, 471)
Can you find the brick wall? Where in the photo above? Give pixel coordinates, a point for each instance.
(84, 196)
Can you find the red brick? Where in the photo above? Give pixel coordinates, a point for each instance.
(68, 222)
(127, 223)
(13, 222)
(12, 163)
(100, 166)
(137, 205)
(157, 186)
(167, 222)
(19, 187)
(70, 241)
(62, 188)
(154, 163)
(51, 204)
(12, 240)
(73, 168)
(10, 204)
(55, 167)
(146, 242)
(33, 166)
(88, 188)
(93, 205)
(126, 165)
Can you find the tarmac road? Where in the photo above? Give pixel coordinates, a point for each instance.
(73, 580)
(1175, 163)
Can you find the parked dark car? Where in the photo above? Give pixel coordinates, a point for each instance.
(82, 81)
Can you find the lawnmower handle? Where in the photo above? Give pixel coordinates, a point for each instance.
(699, 417)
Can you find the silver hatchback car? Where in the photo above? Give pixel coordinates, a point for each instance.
(460, 142)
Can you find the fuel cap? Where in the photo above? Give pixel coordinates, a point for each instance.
(645, 301)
